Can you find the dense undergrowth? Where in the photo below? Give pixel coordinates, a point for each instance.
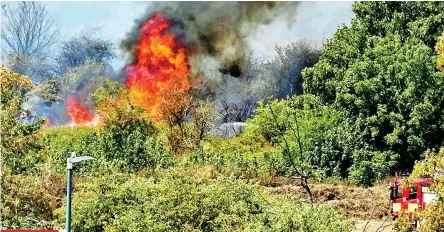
(162, 194)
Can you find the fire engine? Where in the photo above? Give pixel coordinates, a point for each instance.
(410, 199)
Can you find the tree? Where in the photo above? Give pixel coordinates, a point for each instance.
(289, 63)
(28, 33)
(37, 68)
(27, 29)
(18, 137)
(84, 47)
(203, 118)
(380, 71)
(188, 120)
(291, 124)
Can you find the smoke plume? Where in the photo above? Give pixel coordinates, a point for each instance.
(215, 30)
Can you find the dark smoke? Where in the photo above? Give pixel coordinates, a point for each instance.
(216, 29)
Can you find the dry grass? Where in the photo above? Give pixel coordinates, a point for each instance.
(351, 201)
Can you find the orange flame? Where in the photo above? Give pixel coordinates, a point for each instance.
(160, 67)
(48, 122)
(78, 111)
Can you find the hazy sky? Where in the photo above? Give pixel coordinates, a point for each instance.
(314, 21)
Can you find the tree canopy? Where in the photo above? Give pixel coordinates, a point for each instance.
(381, 71)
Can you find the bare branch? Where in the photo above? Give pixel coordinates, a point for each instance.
(27, 29)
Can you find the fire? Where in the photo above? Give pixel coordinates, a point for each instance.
(48, 122)
(160, 66)
(78, 111)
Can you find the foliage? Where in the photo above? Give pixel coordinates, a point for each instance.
(83, 79)
(244, 156)
(330, 145)
(26, 203)
(380, 72)
(38, 69)
(59, 142)
(180, 200)
(137, 153)
(125, 134)
(433, 216)
(186, 120)
(439, 48)
(18, 137)
(289, 124)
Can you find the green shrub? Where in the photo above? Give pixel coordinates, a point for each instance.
(328, 144)
(26, 203)
(183, 200)
(243, 154)
(61, 141)
(17, 137)
(128, 147)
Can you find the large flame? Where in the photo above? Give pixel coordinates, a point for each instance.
(78, 111)
(160, 66)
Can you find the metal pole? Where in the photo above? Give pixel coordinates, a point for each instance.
(68, 197)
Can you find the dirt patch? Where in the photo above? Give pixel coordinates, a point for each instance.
(352, 202)
(374, 225)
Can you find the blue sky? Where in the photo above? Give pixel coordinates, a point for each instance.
(314, 21)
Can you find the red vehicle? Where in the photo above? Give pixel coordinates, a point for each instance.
(410, 199)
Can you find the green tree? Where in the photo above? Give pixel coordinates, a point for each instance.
(306, 133)
(380, 71)
(26, 202)
(18, 137)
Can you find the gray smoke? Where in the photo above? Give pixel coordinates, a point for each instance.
(78, 83)
(216, 30)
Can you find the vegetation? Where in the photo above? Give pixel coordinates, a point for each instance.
(18, 137)
(386, 81)
(181, 199)
(367, 105)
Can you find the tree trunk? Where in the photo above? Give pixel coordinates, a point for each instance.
(304, 184)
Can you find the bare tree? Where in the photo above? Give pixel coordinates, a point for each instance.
(84, 47)
(27, 29)
(289, 63)
(237, 111)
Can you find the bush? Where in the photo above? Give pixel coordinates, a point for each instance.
(59, 142)
(131, 148)
(242, 155)
(317, 137)
(182, 199)
(127, 137)
(27, 202)
(18, 137)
